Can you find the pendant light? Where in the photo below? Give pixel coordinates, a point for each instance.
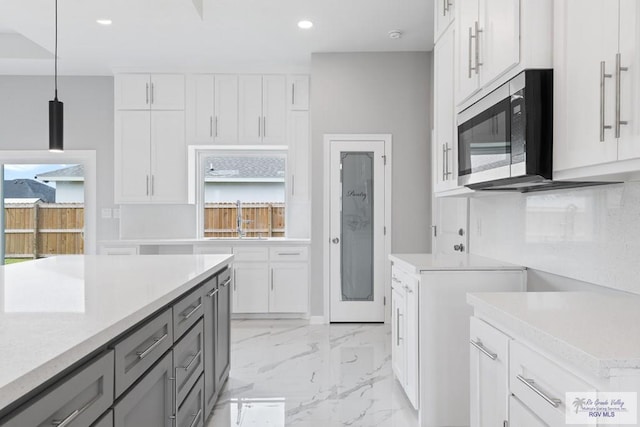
(55, 106)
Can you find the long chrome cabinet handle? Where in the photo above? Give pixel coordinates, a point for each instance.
(293, 94)
(619, 70)
(530, 383)
(210, 126)
(398, 337)
(156, 342)
(192, 361)
(447, 171)
(470, 54)
(444, 7)
(264, 126)
(259, 127)
(603, 76)
(72, 416)
(153, 93)
(212, 293)
(477, 37)
(189, 314)
(147, 99)
(272, 279)
(483, 349)
(226, 283)
(195, 418)
(216, 133)
(153, 185)
(288, 253)
(147, 185)
(444, 169)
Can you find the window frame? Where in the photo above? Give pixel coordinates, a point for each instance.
(196, 158)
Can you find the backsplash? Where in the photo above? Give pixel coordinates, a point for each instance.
(589, 234)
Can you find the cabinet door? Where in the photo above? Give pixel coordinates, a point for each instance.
(499, 37)
(411, 337)
(250, 109)
(150, 402)
(251, 288)
(489, 352)
(444, 13)
(132, 159)
(133, 92)
(520, 415)
(467, 81)
(444, 142)
(397, 330)
(225, 122)
(191, 412)
(210, 289)
(168, 157)
(298, 93)
(629, 142)
(274, 110)
(223, 337)
(299, 155)
(167, 92)
(289, 287)
(578, 55)
(200, 114)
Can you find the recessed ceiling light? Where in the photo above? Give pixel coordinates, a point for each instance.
(395, 34)
(104, 21)
(305, 25)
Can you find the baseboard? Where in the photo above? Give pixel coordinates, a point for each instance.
(317, 320)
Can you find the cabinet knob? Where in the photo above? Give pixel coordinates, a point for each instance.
(335, 240)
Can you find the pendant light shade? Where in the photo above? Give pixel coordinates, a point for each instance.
(56, 107)
(55, 125)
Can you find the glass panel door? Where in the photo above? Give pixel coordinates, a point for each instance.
(357, 226)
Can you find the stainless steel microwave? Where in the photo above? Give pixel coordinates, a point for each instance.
(505, 140)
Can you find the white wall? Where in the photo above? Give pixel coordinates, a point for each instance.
(385, 93)
(589, 234)
(88, 125)
(69, 192)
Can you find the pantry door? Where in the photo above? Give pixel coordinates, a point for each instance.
(357, 227)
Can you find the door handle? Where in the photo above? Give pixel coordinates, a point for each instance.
(619, 70)
(459, 247)
(335, 240)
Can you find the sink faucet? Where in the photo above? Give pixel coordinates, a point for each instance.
(239, 221)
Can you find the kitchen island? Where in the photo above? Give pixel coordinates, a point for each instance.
(61, 317)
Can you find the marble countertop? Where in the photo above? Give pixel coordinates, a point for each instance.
(597, 332)
(56, 311)
(417, 263)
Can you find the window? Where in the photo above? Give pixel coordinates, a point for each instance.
(242, 192)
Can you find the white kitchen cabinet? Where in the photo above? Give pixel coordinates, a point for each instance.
(250, 287)
(149, 92)
(520, 415)
(489, 381)
(289, 292)
(444, 14)
(212, 113)
(298, 92)
(262, 107)
(596, 77)
(444, 144)
(404, 324)
(299, 164)
(150, 157)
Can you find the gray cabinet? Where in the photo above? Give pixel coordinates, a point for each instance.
(149, 403)
(188, 360)
(191, 412)
(76, 402)
(106, 420)
(210, 333)
(223, 325)
(186, 312)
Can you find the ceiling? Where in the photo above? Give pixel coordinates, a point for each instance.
(230, 35)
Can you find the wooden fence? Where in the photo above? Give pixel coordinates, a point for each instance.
(43, 229)
(259, 219)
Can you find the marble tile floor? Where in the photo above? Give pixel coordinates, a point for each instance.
(290, 373)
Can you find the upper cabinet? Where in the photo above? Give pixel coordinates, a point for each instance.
(212, 113)
(149, 92)
(298, 92)
(263, 109)
(496, 39)
(596, 81)
(443, 16)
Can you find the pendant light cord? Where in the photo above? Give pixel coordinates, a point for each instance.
(56, 56)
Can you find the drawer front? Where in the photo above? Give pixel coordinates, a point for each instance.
(77, 401)
(224, 277)
(136, 353)
(106, 420)
(188, 357)
(251, 254)
(289, 253)
(191, 413)
(540, 384)
(210, 249)
(186, 312)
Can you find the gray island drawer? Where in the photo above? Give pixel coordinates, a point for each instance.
(186, 312)
(191, 413)
(188, 359)
(77, 401)
(138, 352)
(106, 420)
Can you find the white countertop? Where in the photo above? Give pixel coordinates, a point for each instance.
(417, 263)
(222, 241)
(594, 331)
(56, 311)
